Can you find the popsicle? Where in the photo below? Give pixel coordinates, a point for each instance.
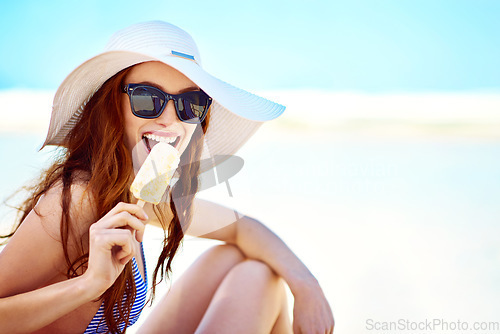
(155, 173)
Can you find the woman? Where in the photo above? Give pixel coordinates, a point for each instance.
(75, 261)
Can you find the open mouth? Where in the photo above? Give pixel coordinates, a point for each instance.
(151, 140)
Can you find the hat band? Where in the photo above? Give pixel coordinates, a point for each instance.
(182, 55)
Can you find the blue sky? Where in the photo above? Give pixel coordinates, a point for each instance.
(368, 46)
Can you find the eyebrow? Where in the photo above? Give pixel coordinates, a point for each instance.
(184, 90)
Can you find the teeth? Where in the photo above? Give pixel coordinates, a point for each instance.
(167, 140)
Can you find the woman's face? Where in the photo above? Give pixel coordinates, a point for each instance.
(167, 126)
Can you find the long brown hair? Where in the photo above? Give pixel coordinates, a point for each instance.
(95, 151)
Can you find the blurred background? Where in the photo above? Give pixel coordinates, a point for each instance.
(382, 175)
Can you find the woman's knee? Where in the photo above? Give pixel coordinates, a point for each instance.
(226, 253)
(256, 270)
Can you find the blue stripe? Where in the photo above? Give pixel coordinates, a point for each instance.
(98, 323)
(183, 55)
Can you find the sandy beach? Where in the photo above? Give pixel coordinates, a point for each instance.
(393, 207)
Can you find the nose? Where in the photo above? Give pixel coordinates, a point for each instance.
(169, 115)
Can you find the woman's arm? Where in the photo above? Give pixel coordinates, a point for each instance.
(27, 312)
(33, 259)
(217, 222)
(311, 309)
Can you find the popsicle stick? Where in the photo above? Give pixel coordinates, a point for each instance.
(141, 203)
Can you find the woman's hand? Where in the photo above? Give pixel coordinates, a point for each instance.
(112, 243)
(311, 311)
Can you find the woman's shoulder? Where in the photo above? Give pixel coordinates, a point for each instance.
(50, 206)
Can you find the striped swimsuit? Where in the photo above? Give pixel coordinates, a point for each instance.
(98, 323)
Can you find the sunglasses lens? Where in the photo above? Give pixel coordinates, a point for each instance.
(192, 107)
(147, 102)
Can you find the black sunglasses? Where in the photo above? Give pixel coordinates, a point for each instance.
(149, 102)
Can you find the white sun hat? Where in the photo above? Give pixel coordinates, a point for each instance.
(235, 114)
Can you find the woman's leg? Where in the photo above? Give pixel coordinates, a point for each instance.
(183, 307)
(283, 324)
(250, 299)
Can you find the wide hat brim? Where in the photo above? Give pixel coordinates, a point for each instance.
(235, 114)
